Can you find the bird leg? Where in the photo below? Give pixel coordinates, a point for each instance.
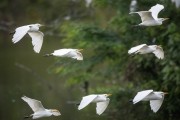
(131, 100)
(47, 55)
(12, 32)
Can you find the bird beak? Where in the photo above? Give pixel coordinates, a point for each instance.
(109, 94)
(166, 18)
(42, 25)
(80, 50)
(165, 93)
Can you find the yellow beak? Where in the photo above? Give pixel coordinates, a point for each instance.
(109, 94)
(80, 49)
(165, 93)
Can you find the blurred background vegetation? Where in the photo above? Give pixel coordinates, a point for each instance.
(103, 29)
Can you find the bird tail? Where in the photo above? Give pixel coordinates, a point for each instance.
(47, 55)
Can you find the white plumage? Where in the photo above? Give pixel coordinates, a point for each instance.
(33, 31)
(88, 3)
(101, 101)
(144, 49)
(155, 98)
(150, 18)
(38, 109)
(72, 53)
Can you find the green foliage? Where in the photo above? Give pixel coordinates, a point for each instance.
(109, 68)
(105, 32)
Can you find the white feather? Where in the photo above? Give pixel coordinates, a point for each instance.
(144, 49)
(159, 53)
(150, 18)
(156, 104)
(20, 32)
(155, 10)
(33, 31)
(145, 15)
(39, 110)
(34, 104)
(37, 40)
(86, 101)
(101, 106)
(136, 48)
(72, 53)
(141, 95)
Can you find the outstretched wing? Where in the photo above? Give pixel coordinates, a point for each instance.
(156, 104)
(155, 10)
(145, 15)
(159, 53)
(61, 52)
(141, 95)
(19, 33)
(76, 55)
(86, 101)
(101, 106)
(34, 104)
(37, 40)
(136, 48)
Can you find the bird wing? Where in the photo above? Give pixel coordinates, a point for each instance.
(155, 10)
(61, 52)
(79, 56)
(19, 33)
(37, 40)
(34, 104)
(101, 106)
(145, 15)
(159, 53)
(156, 104)
(141, 95)
(76, 55)
(86, 100)
(136, 48)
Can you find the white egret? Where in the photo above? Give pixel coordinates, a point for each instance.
(150, 18)
(39, 110)
(101, 101)
(133, 5)
(144, 49)
(34, 33)
(88, 3)
(155, 98)
(72, 53)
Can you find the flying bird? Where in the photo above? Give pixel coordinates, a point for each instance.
(155, 98)
(39, 110)
(34, 33)
(150, 18)
(101, 101)
(72, 53)
(144, 49)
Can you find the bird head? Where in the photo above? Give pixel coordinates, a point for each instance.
(55, 112)
(163, 19)
(79, 50)
(39, 25)
(107, 95)
(165, 93)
